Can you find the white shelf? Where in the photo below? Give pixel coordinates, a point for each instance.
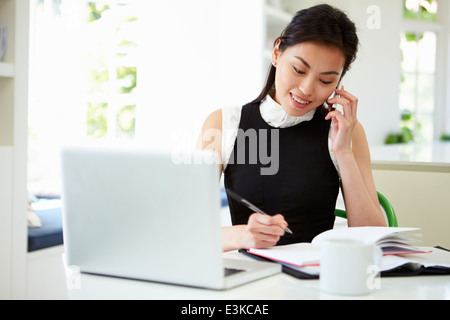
(13, 124)
(277, 15)
(276, 21)
(6, 70)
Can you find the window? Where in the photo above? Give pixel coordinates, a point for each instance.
(83, 80)
(420, 10)
(111, 105)
(417, 88)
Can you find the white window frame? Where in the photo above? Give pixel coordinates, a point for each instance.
(441, 113)
(442, 110)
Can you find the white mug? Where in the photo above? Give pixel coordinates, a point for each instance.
(349, 267)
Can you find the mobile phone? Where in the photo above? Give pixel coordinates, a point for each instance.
(332, 107)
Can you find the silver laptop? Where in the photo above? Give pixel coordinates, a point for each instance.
(150, 216)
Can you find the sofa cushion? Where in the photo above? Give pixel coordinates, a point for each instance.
(50, 233)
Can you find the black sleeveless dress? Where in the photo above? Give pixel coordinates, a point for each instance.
(287, 171)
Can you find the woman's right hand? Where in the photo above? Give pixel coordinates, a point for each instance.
(262, 231)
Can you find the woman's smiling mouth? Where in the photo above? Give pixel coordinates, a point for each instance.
(298, 102)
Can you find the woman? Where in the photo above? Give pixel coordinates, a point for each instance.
(313, 145)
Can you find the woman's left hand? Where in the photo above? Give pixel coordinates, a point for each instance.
(343, 124)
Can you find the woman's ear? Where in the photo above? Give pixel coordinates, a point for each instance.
(276, 53)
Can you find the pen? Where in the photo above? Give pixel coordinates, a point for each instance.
(250, 205)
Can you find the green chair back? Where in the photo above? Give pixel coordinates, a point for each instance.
(385, 204)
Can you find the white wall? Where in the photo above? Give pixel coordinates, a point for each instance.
(6, 163)
(194, 59)
(178, 51)
(375, 75)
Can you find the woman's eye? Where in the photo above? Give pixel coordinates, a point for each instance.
(298, 71)
(302, 73)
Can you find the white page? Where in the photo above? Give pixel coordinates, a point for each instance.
(433, 258)
(299, 254)
(366, 234)
(436, 258)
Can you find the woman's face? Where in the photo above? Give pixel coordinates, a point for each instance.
(307, 75)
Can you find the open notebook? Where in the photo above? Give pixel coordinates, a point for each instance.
(398, 246)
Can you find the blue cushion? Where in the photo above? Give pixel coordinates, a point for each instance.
(223, 198)
(50, 234)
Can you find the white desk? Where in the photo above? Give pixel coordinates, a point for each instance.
(278, 287)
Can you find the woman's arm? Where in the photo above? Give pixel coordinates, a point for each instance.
(211, 135)
(353, 156)
(358, 187)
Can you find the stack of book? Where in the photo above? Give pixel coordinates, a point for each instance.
(401, 255)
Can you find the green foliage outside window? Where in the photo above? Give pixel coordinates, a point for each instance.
(127, 77)
(405, 134)
(97, 123)
(96, 10)
(126, 121)
(112, 79)
(423, 10)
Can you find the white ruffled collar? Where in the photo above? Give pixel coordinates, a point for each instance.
(275, 115)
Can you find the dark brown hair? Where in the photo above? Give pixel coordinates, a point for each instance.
(322, 23)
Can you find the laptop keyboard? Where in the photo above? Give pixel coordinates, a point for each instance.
(230, 271)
